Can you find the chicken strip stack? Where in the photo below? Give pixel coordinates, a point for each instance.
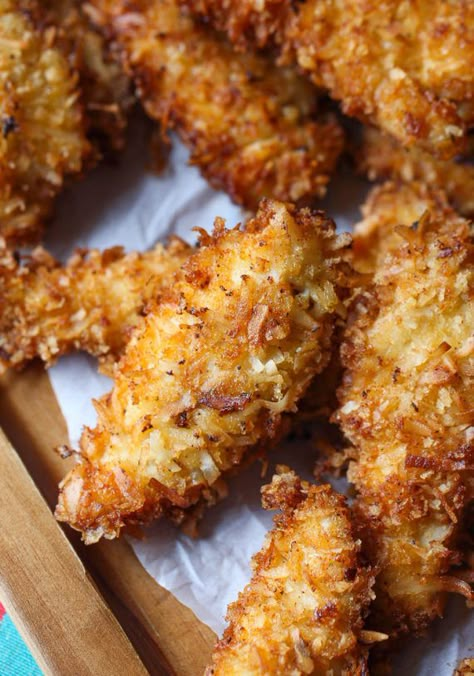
(105, 88)
(407, 405)
(90, 304)
(379, 156)
(207, 376)
(406, 67)
(42, 136)
(302, 612)
(391, 205)
(249, 125)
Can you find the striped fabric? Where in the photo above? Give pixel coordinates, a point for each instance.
(15, 658)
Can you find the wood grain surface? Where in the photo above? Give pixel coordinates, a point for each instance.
(167, 635)
(58, 610)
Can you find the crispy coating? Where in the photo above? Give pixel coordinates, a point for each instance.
(303, 610)
(380, 157)
(105, 87)
(407, 406)
(250, 127)
(42, 137)
(389, 206)
(465, 667)
(208, 374)
(91, 303)
(406, 67)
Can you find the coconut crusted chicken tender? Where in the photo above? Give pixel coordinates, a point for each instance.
(406, 67)
(379, 156)
(303, 610)
(388, 210)
(91, 303)
(250, 127)
(209, 373)
(407, 406)
(42, 137)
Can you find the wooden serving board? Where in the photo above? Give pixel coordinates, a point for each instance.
(167, 636)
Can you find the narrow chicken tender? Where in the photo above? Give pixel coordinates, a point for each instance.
(407, 406)
(43, 136)
(250, 126)
(389, 206)
(105, 87)
(208, 374)
(303, 610)
(380, 157)
(406, 67)
(91, 303)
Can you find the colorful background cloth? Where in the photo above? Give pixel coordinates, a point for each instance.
(15, 658)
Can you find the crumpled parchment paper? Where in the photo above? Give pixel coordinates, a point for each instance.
(128, 205)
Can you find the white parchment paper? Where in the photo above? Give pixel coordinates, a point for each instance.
(128, 205)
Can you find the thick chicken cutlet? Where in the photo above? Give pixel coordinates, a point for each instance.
(250, 126)
(390, 206)
(91, 303)
(211, 370)
(407, 406)
(105, 87)
(303, 610)
(43, 130)
(381, 157)
(407, 68)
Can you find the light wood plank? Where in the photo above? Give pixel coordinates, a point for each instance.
(46, 588)
(167, 635)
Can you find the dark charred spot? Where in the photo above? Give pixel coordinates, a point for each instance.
(225, 403)
(413, 124)
(326, 612)
(147, 426)
(9, 125)
(182, 419)
(350, 574)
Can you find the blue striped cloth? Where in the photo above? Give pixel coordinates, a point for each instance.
(15, 658)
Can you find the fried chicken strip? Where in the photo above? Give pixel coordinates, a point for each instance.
(250, 127)
(303, 610)
(380, 157)
(404, 67)
(389, 206)
(207, 376)
(407, 406)
(91, 303)
(43, 131)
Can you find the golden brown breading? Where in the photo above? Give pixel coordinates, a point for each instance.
(250, 127)
(207, 376)
(406, 67)
(303, 610)
(105, 88)
(407, 406)
(90, 304)
(389, 206)
(379, 156)
(465, 667)
(42, 137)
